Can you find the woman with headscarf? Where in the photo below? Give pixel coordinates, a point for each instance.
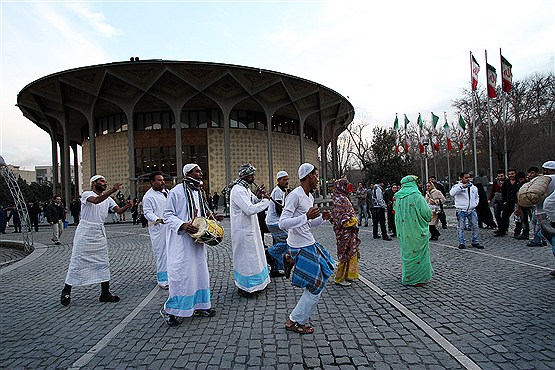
(345, 226)
(435, 199)
(412, 216)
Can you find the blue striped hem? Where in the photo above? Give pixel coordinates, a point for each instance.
(162, 277)
(185, 303)
(251, 281)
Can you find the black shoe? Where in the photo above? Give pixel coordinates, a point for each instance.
(245, 294)
(376, 236)
(65, 299)
(435, 237)
(108, 298)
(387, 238)
(444, 226)
(477, 246)
(522, 237)
(57, 243)
(462, 246)
(534, 244)
(169, 319)
(394, 235)
(277, 273)
(205, 313)
(552, 273)
(500, 234)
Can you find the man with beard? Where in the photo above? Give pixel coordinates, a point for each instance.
(188, 276)
(278, 250)
(154, 202)
(89, 262)
(250, 268)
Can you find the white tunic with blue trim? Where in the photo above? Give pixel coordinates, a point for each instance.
(188, 277)
(250, 268)
(154, 203)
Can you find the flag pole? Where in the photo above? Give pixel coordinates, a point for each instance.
(504, 103)
(473, 122)
(448, 151)
(489, 124)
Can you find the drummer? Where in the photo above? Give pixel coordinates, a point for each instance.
(188, 295)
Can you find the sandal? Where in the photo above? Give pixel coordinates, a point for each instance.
(298, 328)
(205, 313)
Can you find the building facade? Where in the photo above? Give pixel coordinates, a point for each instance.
(132, 118)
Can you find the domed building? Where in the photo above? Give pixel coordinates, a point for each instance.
(135, 117)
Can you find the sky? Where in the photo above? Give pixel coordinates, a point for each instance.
(386, 57)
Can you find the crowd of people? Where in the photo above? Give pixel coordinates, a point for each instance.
(409, 211)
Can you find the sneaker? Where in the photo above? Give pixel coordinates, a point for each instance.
(165, 287)
(57, 243)
(534, 244)
(522, 237)
(477, 246)
(343, 283)
(386, 238)
(108, 298)
(205, 313)
(462, 246)
(169, 319)
(65, 299)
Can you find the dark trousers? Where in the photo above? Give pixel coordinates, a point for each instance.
(391, 220)
(507, 211)
(524, 222)
(497, 210)
(35, 223)
(442, 218)
(378, 218)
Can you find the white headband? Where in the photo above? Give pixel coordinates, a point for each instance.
(96, 177)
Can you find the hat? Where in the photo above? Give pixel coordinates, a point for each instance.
(549, 165)
(246, 170)
(96, 177)
(304, 170)
(281, 174)
(189, 167)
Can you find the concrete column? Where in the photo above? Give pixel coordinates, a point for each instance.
(301, 137)
(131, 153)
(324, 159)
(54, 140)
(334, 156)
(178, 144)
(66, 179)
(226, 112)
(271, 184)
(76, 169)
(92, 146)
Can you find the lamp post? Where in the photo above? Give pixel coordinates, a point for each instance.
(425, 142)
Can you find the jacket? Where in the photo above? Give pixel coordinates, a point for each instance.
(466, 198)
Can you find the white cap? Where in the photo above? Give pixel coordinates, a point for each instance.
(305, 169)
(281, 174)
(96, 177)
(189, 167)
(549, 165)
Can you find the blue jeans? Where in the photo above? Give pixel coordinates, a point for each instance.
(472, 218)
(305, 307)
(363, 212)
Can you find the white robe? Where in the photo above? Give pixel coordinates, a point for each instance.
(188, 277)
(250, 268)
(154, 203)
(89, 262)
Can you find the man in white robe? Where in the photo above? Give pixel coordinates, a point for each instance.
(154, 202)
(276, 253)
(188, 276)
(89, 262)
(250, 268)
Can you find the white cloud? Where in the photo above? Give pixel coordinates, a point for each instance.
(96, 19)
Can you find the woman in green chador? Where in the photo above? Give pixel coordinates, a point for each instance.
(412, 215)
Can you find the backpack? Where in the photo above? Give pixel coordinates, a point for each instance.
(533, 192)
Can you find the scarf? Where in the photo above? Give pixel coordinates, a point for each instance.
(189, 185)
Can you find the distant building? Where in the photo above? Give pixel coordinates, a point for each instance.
(135, 117)
(28, 175)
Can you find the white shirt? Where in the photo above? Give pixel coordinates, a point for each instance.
(293, 218)
(465, 199)
(96, 213)
(550, 189)
(272, 218)
(549, 206)
(154, 203)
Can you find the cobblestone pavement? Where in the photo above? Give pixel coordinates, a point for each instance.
(492, 309)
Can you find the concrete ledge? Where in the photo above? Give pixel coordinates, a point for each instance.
(38, 250)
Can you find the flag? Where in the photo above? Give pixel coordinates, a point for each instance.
(406, 135)
(448, 134)
(506, 75)
(462, 123)
(420, 140)
(474, 69)
(462, 127)
(435, 142)
(396, 128)
(492, 81)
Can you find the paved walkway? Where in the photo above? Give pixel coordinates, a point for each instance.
(490, 309)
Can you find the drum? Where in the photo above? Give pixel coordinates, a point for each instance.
(209, 231)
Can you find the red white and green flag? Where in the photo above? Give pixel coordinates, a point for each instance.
(396, 128)
(447, 133)
(406, 134)
(460, 131)
(420, 138)
(492, 81)
(435, 141)
(474, 69)
(506, 75)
